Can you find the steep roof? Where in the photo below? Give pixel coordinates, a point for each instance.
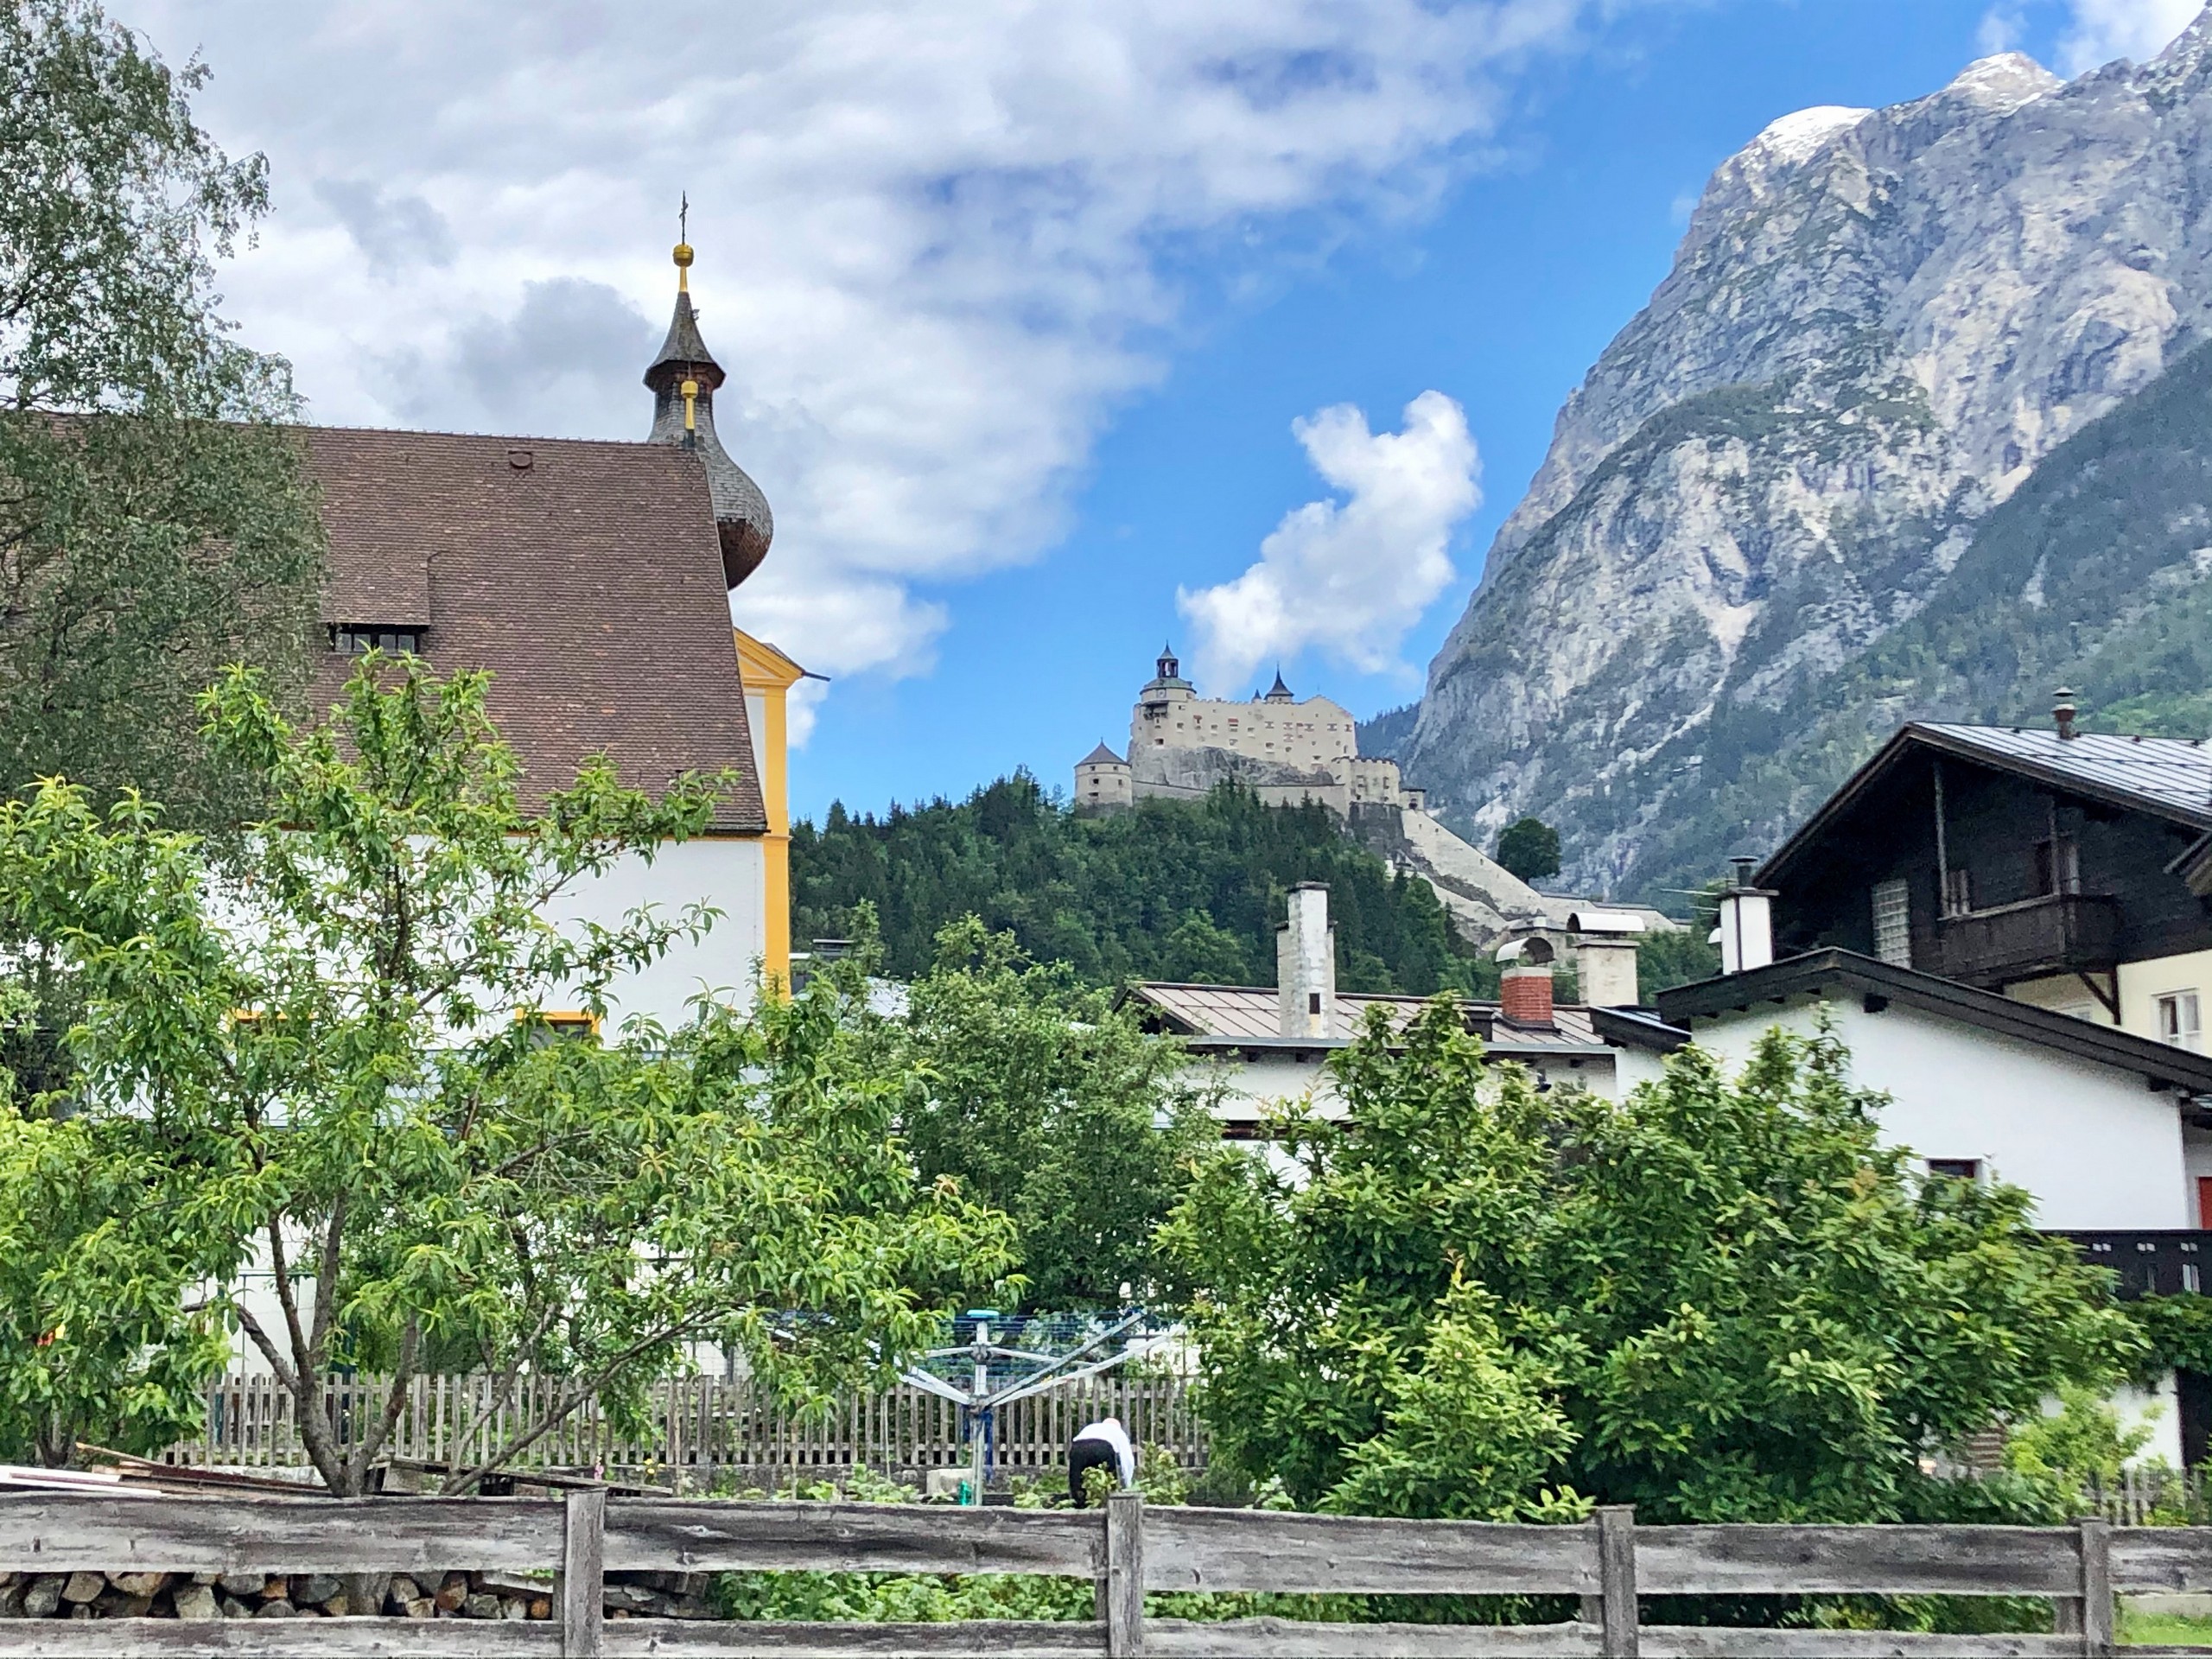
(2169, 777)
(1102, 756)
(586, 576)
(1818, 972)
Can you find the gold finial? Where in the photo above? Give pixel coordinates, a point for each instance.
(691, 391)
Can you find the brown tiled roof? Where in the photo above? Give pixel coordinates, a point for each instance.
(586, 576)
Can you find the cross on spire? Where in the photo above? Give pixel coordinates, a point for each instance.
(683, 219)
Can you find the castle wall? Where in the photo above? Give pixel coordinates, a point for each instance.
(1309, 736)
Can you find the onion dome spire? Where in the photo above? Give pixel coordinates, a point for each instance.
(683, 377)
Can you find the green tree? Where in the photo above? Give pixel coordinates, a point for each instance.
(1164, 891)
(1529, 847)
(1719, 1299)
(336, 1047)
(1040, 1098)
(154, 519)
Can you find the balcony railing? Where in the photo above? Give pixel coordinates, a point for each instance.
(2151, 1264)
(2064, 932)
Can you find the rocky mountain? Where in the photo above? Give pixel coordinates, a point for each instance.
(1913, 427)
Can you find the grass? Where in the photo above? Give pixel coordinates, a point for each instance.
(2164, 1629)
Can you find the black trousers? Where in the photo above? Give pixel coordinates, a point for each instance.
(1084, 1456)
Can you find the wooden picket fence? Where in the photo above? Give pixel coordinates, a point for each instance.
(2150, 1497)
(1125, 1550)
(703, 1431)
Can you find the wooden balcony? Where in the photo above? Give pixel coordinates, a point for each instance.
(2059, 933)
(2151, 1263)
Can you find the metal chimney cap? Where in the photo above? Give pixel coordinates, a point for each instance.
(2063, 711)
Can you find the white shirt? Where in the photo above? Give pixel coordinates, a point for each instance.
(1125, 1455)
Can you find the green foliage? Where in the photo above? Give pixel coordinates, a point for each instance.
(333, 1044)
(100, 1337)
(1041, 1099)
(2081, 1442)
(1529, 847)
(1718, 1300)
(2177, 1332)
(154, 520)
(1168, 890)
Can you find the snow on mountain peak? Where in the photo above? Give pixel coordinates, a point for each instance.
(1799, 136)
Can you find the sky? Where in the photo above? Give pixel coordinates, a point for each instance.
(1055, 329)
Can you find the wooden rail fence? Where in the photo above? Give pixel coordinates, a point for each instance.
(700, 1428)
(1125, 1550)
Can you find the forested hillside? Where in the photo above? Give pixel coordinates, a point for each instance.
(1171, 890)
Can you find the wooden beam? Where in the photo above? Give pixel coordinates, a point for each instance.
(1124, 1575)
(583, 1576)
(1617, 1574)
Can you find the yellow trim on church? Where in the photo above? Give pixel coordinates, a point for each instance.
(769, 676)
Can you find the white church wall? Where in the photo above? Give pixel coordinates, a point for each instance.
(727, 872)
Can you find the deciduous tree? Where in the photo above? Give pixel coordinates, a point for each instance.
(1720, 1299)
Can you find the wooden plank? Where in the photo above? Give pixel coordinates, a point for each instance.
(583, 1576)
(1252, 1550)
(1700, 1641)
(1278, 1638)
(1868, 1560)
(279, 1638)
(61, 1532)
(655, 1534)
(2095, 1546)
(1617, 1611)
(1123, 1578)
(647, 1638)
(2162, 1558)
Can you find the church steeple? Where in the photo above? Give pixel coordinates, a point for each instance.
(683, 377)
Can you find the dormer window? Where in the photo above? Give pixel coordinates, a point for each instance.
(358, 638)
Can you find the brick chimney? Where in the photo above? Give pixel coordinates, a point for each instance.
(1306, 964)
(1525, 985)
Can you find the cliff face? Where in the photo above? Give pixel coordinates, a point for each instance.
(1879, 326)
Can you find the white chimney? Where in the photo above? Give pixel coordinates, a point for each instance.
(1306, 964)
(1746, 927)
(1604, 955)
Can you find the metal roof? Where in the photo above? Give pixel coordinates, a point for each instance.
(1248, 1015)
(2170, 775)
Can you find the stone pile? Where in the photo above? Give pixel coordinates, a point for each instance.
(319, 1595)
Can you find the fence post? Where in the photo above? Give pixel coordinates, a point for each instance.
(1617, 1578)
(583, 1576)
(1121, 1589)
(2096, 1589)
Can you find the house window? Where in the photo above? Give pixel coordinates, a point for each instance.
(353, 639)
(1955, 1169)
(1958, 891)
(2058, 866)
(2181, 1020)
(559, 1025)
(1893, 923)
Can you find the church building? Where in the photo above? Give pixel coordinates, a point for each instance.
(592, 579)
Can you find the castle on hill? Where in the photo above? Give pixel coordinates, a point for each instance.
(1286, 750)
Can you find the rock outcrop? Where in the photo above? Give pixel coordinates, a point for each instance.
(1879, 325)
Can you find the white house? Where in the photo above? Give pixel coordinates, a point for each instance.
(2109, 1130)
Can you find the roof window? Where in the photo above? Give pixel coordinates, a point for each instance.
(358, 638)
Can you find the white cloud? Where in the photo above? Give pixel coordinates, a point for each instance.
(2105, 29)
(1349, 579)
(2002, 28)
(933, 238)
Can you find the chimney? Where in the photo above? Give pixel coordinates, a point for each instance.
(2062, 713)
(1524, 992)
(1746, 929)
(1604, 955)
(1306, 964)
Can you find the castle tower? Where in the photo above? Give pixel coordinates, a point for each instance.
(683, 377)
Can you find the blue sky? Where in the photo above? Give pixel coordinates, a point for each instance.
(1501, 301)
(1039, 315)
